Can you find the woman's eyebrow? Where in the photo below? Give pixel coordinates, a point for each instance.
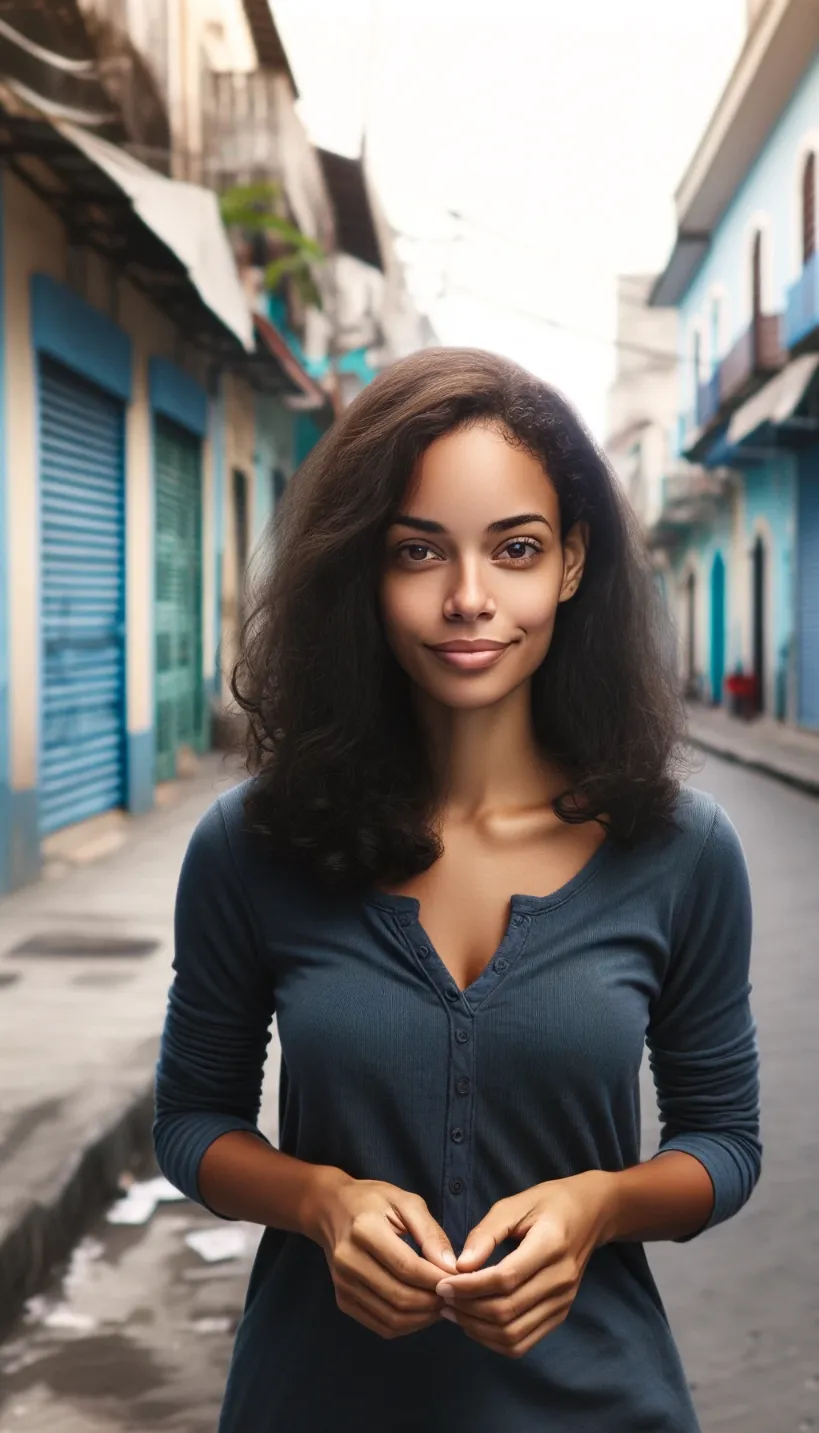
(425, 524)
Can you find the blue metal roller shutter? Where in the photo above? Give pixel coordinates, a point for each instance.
(82, 525)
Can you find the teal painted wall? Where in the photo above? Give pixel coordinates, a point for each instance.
(770, 504)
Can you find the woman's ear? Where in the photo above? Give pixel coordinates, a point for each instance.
(575, 546)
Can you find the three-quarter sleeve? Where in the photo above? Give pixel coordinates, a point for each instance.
(217, 1024)
(702, 1037)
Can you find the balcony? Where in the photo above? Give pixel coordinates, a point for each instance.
(242, 132)
(802, 312)
(753, 358)
(690, 493)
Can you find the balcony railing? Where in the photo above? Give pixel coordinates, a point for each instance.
(753, 357)
(802, 311)
(689, 492)
(242, 138)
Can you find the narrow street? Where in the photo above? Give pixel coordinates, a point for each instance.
(139, 1336)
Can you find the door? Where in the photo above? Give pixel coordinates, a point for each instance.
(180, 706)
(807, 589)
(82, 565)
(717, 628)
(691, 633)
(758, 600)
(241, 531)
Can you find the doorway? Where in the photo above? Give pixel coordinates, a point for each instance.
(758, 609)
(717, 628)
(241, 532)
(691, 634)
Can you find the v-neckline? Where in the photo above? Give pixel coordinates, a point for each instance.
(521, 910)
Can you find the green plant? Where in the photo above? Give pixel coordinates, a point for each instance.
(256, 209)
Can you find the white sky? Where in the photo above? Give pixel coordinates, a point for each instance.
(558, 128)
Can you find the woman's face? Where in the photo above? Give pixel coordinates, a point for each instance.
(475, 569)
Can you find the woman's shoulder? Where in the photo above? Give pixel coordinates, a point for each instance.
(703, 840)
(225, 843)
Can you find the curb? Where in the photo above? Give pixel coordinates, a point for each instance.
(807, 784)
(45, 1233)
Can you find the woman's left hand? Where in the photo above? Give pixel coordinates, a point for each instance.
(512, 1305)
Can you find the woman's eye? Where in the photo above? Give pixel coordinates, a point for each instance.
(415, 551)
(521, 549)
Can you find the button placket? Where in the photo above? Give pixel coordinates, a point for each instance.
(459, 1126)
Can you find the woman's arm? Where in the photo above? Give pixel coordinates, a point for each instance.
(220, 1007)
(703, 1055)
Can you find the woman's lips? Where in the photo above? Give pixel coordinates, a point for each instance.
(471, 658)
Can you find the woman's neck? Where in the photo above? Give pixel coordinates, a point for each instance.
(488, 758)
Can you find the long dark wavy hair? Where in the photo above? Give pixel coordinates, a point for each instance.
(343, 779)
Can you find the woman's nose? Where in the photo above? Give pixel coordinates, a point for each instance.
(469, 598)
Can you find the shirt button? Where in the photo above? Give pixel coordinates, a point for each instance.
(501, 964)
(518, 920)
(405, 920)
(461, 1036)
(451, 993)
(462, 1087)
(423, 951)
(458, 1136)
(456, 1186)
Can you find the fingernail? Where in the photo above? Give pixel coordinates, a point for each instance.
(448, 1315)
(446, 1291)
(448, 1258)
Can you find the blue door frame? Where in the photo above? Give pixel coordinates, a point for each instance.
(717, 627)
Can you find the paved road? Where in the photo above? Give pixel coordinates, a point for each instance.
(152, 1322)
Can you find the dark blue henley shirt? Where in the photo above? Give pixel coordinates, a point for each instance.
(531, 1074)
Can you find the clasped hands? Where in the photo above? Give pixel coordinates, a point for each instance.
(509, 1306)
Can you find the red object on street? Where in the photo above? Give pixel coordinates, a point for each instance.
(742, 686)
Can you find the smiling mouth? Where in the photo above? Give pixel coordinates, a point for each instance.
(470, 656)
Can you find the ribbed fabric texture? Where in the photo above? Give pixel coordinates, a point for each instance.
(390, 1072)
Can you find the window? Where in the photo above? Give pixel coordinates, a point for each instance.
(756, 277)
(716, 329)
(809, 208)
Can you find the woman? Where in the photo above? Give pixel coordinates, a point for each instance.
(465, 878)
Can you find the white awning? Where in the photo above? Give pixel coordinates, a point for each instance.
(186, 218)
(777, 401)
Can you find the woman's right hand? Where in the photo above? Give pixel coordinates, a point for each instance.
(379, 1280)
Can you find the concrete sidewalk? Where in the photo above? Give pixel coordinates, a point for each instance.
(763, 744)
(79, 1032)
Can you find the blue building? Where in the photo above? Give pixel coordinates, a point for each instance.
(740, 513)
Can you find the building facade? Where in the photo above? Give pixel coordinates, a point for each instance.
(155, 397)
(738, 523)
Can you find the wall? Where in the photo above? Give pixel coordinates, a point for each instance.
(768, 198)
(696, 554)
(645, 391)
(35, 243)
(274, 449)
(239, 453)
(769, 510)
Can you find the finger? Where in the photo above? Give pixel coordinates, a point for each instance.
(378, 1237)
(516, 1338)
(362, 1270)
(536, 1251)
(497, 1225)
(427, 1232)
(379, 1316)
(555, 1282)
